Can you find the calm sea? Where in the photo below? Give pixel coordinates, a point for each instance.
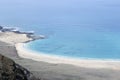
(74, 28)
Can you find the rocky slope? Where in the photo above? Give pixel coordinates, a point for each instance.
(9, 70)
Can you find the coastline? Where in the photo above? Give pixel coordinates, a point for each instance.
(58, 70)
(87, 63)
(19, 39)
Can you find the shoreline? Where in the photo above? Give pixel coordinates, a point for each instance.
(64, 70)
(19, 39)
(87, 63)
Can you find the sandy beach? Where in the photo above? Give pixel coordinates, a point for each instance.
(56, 68)
(87, 63)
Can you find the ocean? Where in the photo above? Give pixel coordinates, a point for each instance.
(73, 28)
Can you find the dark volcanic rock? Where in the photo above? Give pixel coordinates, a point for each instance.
(7, 29)
(35, 37)
(29, 34)
(9, 70)
(1, 27)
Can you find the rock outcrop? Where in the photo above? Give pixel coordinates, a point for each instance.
(1, 27)
(29, 33)
(9, 70)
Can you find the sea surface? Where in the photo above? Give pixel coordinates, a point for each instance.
(73, 28)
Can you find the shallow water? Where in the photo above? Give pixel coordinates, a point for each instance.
(74, 28)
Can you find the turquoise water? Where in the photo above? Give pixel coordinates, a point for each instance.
(74, 28)
(79, 42)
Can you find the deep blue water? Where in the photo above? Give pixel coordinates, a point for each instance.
(74, 28)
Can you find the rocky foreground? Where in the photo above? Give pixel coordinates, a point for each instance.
(9, 70)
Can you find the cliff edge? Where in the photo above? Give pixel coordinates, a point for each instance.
(9, 70)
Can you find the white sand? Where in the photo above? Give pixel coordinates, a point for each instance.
(88, 63)
(81, 69)
(18, 39)
(13, 38)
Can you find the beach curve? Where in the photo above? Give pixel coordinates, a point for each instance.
(88, 63)
(19, 39)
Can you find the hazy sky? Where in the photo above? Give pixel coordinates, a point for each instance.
(36, 11)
